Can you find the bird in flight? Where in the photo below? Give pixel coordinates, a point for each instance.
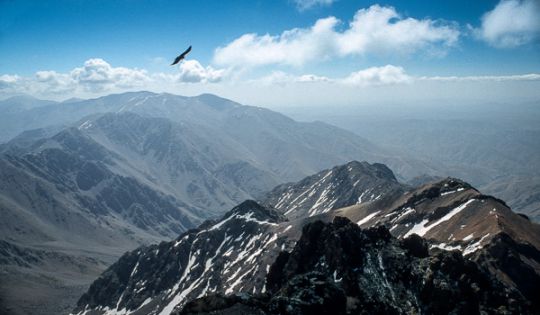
(181, 57)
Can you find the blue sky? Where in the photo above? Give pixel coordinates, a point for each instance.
(419, 39)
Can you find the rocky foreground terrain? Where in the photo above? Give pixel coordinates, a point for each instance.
(350, 239)
(338, 268)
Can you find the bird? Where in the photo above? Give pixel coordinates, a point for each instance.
(182, 55)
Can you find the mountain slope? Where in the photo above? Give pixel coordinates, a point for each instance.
(224, 256)
(63, 201)
(196, 165)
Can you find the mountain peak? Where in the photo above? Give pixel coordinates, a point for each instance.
(216, 102)
(378, 170)
(342, 186)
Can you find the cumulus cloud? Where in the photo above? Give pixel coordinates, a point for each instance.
(308, 4)
(511, 23)
(386, 75)
(192, 71)
(98, 75)
(373, 30)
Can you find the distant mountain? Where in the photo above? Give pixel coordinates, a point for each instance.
(254, 249)
(14, 118)
(67, 183)
(286, 147)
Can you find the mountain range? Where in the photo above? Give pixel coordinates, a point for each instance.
(84, 181)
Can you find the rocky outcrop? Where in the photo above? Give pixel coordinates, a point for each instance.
(338, 268)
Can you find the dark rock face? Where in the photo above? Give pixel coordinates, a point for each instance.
(416, 246)
(337, 268)
(238, 304)
(514, 262)
(309, 293)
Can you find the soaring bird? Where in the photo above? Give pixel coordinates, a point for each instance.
(181, 57)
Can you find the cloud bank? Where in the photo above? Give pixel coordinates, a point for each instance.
(97, 76)
(375, 30)
(511, 23)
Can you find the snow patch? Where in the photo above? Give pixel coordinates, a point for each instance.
(421, 229)
(367, 218)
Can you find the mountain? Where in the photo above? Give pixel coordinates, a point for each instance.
(67, 185)
(286, 147)
(14, 119)
(338, 268)
(339, 187)
(257, 249)
(220, 256)
(450, 213)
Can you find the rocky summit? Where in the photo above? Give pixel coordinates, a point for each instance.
(338, 268)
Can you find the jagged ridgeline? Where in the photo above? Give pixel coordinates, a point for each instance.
(350, 239)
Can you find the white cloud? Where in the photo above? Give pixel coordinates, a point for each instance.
(308, 4)
(282, 78)
(192, 71)
(499, 78)
(382, 76)
(373, 30)
(98, 75)
(386, 75)
(374, 76)
(511, 23)
(8, 81)
(53, 82)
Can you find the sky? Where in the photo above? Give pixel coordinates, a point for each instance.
(274, 52)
